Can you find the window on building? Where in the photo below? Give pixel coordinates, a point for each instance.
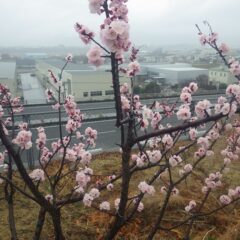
(109, 92)
(85, 94)
(96, 93)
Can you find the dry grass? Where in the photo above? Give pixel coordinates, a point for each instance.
(86, 223)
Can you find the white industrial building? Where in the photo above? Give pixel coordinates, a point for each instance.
(221, 75)
(8, 76)
(174, 73)
(84, 82)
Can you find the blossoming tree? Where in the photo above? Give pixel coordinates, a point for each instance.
(144, 129)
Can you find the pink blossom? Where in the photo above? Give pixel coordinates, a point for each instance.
(235, 68)
(115, 35)
(125, 103)
(146, 188)
(224, 48)
(192, 204)
(23, 139)
(110, 34)
(84, 33)
(186, 97)
(213, 37)
(124, 89)
(231, 193)
(184, 112)
(95, 6)
(69, 57)
(167, 141)
(119, 26)
(134, 157)
(94, 193)
(1, 111)
(72, 126)
(42, 138)
(233, 89)
(175, 192)
(104, 206)
(110, 187)
(175, 160)
(71, 155)
(188, 168)
(225, 199)
(213, 134)
(209, 153)
(205, 189)
(147, 113)
(87, 200)
(37, 175)
(116, 203)
(78, 189)
(56, 106)
(193, 87)
(227, 161)
(82, 179)
(140, 207)
(200, 152)
(140, 162)
(85, 156)
(202, 108)
(49, 94)
(237, 191)
(49, 197)
(193, 134)
(154, 156)
(144, 124)
(203, 39)
(2, 156)
(91, 133)
(94, 56)
(133, 68)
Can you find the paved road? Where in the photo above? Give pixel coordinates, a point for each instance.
(108, 136)
(45, 113)
(33, 92)
(110, 104)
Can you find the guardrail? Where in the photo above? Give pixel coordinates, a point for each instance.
(49, 118)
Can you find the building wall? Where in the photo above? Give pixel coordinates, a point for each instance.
(8, 76)
(190, 75)
(220, 76)
(93, 85)
(44, 77)
(83, 85)
(11, 84)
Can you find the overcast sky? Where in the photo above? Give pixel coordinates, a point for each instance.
(158, 22)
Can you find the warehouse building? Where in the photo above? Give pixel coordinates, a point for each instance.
(84, 82)
(174, 74)
(8, 76)
(221, 75)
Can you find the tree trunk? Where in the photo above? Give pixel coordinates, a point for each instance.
(120, 216)
(40, 223)
(9, 192)
(56, 218)
(11, 218)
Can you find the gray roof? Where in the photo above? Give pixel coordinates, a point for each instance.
(184, 69)
(7, 70)
(74, 67)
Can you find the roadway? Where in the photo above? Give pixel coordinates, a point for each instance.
(110, 104)
(45, 114)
